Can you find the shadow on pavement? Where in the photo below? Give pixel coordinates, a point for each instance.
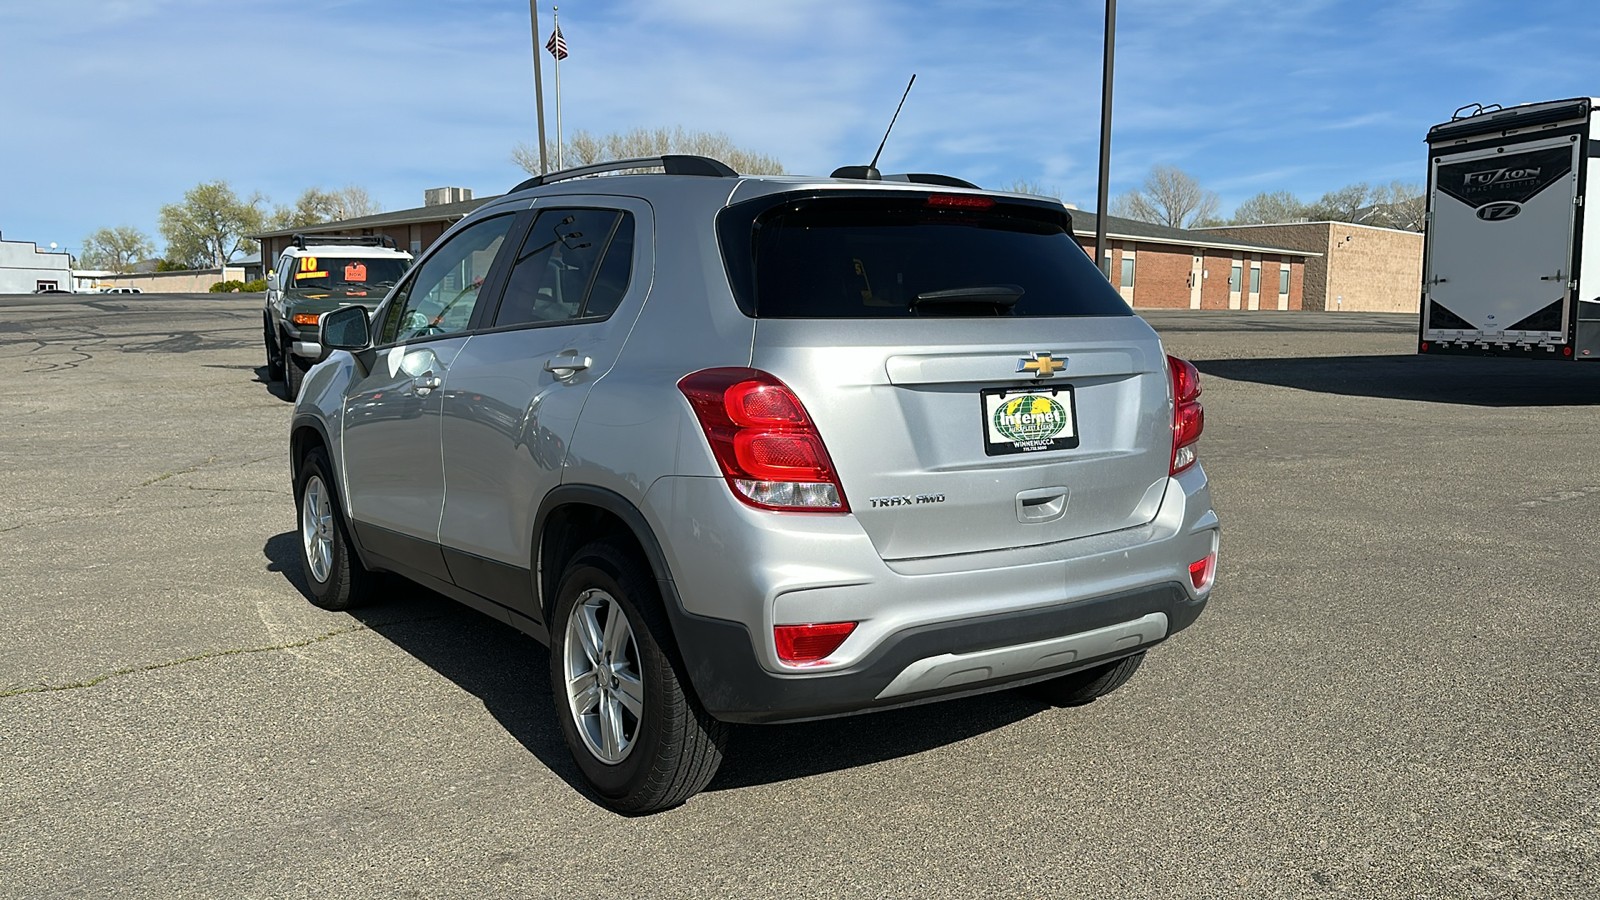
(509, 672)
(1468, 381)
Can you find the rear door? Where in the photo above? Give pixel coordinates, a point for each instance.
(513, 395)
(978, 383)
(1500, 242)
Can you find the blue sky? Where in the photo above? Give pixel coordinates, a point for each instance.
(110, 108)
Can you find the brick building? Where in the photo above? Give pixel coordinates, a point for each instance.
(1152, 265)
(1155, 266)
(413, 230)
(1349, 268)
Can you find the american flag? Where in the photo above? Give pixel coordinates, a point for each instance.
(557, 45)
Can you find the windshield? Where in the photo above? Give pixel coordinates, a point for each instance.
(881, 257)
(344, 276)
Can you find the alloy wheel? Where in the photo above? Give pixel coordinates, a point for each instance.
(316, 528)
(604, 689)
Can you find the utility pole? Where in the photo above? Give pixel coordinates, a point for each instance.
(538, 84)
(1105, 144)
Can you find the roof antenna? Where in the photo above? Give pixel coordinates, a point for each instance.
(869, 172)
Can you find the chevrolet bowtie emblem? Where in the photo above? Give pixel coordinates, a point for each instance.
(1043, 364)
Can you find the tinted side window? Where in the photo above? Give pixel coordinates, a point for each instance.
(440, 299)
(879, 257)
(569, 257)
(616, 270)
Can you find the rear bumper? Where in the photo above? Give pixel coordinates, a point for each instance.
(933, 661)
(928, 628)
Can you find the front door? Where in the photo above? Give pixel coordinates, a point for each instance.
(395, 480)
(1196, 276)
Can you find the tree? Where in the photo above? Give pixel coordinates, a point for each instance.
(1024, 186)
(211, 226)
(316, 206)
(1276, 208)
(1351, 203)
(1394, 205)
(116, 249)
(1401, 205)
(584, 149)
(1169, 196)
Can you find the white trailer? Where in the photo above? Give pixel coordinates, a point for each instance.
(1503, 267)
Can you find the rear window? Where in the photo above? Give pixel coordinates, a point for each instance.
(883, 257)
(344, 275)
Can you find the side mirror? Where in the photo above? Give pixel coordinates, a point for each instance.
(346, 329)
(272, 280)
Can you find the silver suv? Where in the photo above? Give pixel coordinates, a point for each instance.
(762, 449)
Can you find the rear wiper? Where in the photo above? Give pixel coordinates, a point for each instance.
(1002, 296)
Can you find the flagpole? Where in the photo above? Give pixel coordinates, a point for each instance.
(560, 163)
(538, 85)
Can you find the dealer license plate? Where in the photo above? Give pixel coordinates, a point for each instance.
(1029, 419)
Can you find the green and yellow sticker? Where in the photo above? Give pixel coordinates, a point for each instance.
(1031, 417)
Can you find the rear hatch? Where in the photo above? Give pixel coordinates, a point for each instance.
(1500, 256)
(344, 280)
(978, 383)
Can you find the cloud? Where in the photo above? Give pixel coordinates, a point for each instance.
(117, 106)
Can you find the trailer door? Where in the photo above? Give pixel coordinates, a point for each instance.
(1500, 252)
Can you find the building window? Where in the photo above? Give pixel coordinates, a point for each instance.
(1255, 280)
(1283, 281)
(1127, 271)
(1235, 275)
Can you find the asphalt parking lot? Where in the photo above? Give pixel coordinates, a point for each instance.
(1393, 693)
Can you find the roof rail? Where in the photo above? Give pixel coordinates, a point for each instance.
(671, 164)
(355, 240)
(933, 178)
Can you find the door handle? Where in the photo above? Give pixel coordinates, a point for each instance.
(426, 383)
(565, 366)
(1555, 277)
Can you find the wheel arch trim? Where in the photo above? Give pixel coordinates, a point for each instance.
(298, 429)
(618, 506)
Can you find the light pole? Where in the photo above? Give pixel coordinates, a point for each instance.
(1105, 144)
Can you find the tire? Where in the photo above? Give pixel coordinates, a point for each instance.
(274, 353)
(1079, 688)
(335, 578)
(293, 376)
(642, 742)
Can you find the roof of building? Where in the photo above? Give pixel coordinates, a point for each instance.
(1328, 222)
(442, 212)
(1118, 228)
(1083, 224)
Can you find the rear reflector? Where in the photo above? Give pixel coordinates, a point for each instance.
(800, 645)
(1203, 571)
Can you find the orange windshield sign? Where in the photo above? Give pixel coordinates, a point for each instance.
(308, 269)
(355, 271)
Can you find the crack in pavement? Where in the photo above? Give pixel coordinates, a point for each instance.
(212, 654)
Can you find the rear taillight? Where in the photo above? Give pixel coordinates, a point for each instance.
(803, 645)
(1188, 418)
(768, 448)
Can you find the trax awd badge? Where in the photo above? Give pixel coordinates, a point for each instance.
(1042, 363)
